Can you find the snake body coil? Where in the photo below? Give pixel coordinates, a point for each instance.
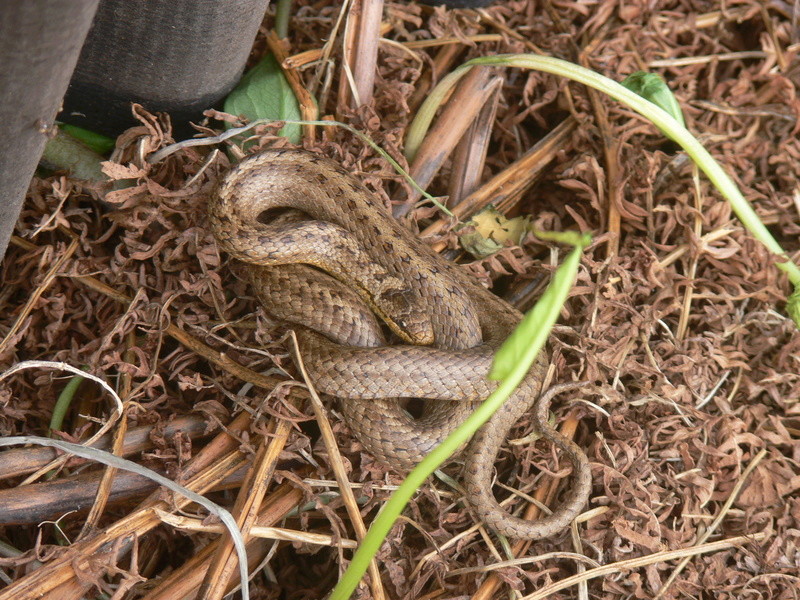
(347, 258)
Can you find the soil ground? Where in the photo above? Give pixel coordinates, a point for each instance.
(677, 321)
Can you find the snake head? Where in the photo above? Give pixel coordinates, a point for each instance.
(400, 310)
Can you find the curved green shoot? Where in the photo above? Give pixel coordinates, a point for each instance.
(656, 115)
(63, 403)
(283, 12)
(66, 152)
(793, 305)
(511, 364)
(519, 348)
(96, 142)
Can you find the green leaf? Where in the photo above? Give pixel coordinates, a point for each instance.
(492, 231)
(65, 153)
(527, 339)
(264, 93)
(652, 87)
(793, 306)
(95, 141)
(542, 320)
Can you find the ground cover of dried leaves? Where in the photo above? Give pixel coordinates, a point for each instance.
(676, 321)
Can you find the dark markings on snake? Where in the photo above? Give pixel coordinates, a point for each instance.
(453, 300)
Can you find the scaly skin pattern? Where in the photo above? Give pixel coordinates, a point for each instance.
(329, 272)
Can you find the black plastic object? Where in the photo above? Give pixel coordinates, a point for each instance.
(40, 41)
(176, 56)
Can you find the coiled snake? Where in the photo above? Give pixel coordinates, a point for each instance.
(346, 259)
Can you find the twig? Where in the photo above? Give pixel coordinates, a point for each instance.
(504, 189)
(247, 507)
(466, 103)
(636, 563)
(335, 459)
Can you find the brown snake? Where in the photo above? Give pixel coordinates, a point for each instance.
(362, 261)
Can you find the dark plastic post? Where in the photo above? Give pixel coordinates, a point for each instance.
(174, 56)
(40, 41)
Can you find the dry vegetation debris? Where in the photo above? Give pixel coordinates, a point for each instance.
(675, 320)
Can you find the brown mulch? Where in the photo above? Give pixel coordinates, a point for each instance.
(677, 322)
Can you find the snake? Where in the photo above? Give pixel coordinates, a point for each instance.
(381, 318)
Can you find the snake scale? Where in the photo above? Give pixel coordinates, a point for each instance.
(337, 259)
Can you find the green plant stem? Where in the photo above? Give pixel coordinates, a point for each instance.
(380, 527)
(96, 142)
(536, 324)
(63, 403)
(656, 115)
(64, 152)
(283, 11)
